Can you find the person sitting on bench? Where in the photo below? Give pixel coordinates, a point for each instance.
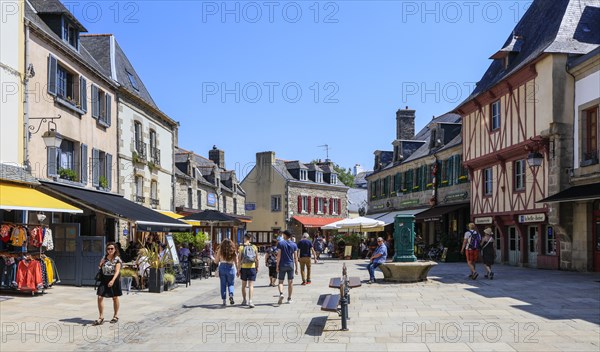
(377, 259)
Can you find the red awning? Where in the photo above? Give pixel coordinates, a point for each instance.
(308, 221)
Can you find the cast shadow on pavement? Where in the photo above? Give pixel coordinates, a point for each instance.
(79, 321)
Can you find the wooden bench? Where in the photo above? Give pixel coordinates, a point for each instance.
(339, 302)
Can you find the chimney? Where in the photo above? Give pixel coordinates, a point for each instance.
(265, 158)
(405, 124)
(217, 156)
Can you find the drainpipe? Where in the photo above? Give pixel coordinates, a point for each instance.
(26, 162)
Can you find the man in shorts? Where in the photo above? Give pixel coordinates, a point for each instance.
(287, 264)
(248, 259)
(471, 244)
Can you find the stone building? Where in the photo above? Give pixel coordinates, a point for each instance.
(292, 195)
(423, 176)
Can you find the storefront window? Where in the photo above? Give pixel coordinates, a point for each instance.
(550, 241)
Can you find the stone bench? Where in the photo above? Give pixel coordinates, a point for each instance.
(406, 272)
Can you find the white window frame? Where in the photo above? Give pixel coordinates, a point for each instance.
(488, 181)
(276, 203)
(304, 204)
(334, 179)
(303, 175)
(495, 115)
(320, 205)
(334, 207)
(319, 177)
(519, 173)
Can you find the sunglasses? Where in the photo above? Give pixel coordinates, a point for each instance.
(110, 249)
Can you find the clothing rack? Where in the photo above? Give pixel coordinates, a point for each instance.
(19, 254)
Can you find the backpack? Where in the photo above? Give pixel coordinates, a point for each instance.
(272, 253)
(474, 240)
(249, 254)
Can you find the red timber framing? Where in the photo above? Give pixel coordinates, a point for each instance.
(517, 135)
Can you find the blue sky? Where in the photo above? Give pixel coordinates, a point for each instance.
(291, 76)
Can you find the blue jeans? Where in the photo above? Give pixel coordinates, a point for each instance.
(371, 267)
(227, 277)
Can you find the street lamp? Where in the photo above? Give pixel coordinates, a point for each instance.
(51, 137)
(535, 159)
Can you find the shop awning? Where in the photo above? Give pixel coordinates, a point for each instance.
(242, 218)
(436, 213)
(145, 219)
(308, 221)
(388, 218)
(21, 197)
(179, 216)
(575, 193)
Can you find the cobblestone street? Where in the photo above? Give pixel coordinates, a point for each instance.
(520, 310)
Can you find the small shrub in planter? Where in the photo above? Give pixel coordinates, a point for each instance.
(127, 275)
(169, 281)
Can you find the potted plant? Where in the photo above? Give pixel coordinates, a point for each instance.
(152, 166)
(103, 181)
(169, 281)
(127, 275)
(157, 264)
(67, 174)
(135, 157)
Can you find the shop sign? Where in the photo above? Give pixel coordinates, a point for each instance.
(125, 232)
(432, 219)
(538, 217)
(410, 202)
(250, 206)
(483, 221)
(375, 207)
(211, 199)
(456, 196)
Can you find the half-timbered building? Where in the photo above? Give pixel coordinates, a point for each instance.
(518, 130)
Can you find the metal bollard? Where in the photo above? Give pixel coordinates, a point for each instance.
(344, 306)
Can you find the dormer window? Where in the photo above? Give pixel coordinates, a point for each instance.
(319, 177)
(70, 34)
(334, 180)
(303, 175)
(133, 81)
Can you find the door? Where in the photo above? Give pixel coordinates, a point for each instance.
(92, 251)
(65, 252)
(498, 259)
(532, 246)
(514, 246)
(596, 243)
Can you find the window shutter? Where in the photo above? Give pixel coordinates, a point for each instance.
(95, 102)
(108, 112)
(316, 204)
(84, 164)
(330, 206)
(109, 170)
(52, 65)
(299, 204)
(450, 171)
(52, 166)
(83, 93)
(324, 206)
(95, 167)
(339, 201)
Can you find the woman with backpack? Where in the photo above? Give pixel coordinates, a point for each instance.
(226, 258)
(271, 262)
(471, 244)
(488, 252)
(248, 259)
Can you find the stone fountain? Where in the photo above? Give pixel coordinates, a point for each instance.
(405, 267)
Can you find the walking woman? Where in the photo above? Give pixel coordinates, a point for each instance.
(110, 283)
(226, 258)
(488, 252)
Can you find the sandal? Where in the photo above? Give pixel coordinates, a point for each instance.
(98, 322)
(114, 320)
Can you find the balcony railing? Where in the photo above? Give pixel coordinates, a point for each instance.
(155, 155)
(140, 199)
(154, 202)
(140, 148)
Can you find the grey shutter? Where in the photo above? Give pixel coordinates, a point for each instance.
(84, 164)
(83, 93)
(52, 165)
(95, 102)
(109, 170)
(95, 167)
(52, 65)
(108, 112)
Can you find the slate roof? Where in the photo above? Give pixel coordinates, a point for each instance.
(14, 173)
(99, 46)
(314, 167)
(57, 8)
(83, 54)
(557, 26)
(292, 165)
